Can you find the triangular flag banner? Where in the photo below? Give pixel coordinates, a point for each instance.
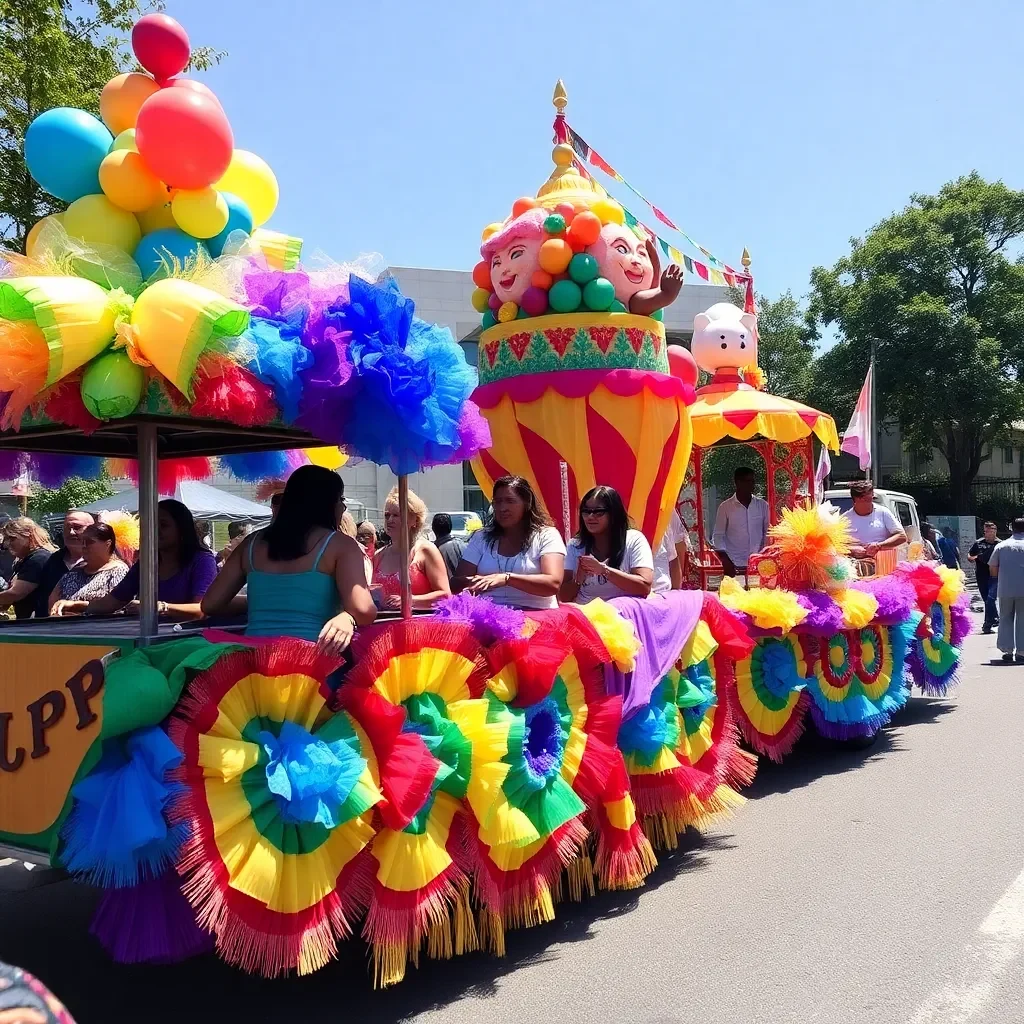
(857, 440)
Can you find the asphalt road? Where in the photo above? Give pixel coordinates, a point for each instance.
(882, 886)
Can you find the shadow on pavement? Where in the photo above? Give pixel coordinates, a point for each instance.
(45, 931)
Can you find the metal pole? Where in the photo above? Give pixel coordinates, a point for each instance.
(148, 498)
(563, 471)
(403, 545)
(875, 448)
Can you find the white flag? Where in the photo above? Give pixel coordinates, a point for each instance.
(821, 474)
(857, 440)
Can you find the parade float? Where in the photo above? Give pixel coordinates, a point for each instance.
(476, 765)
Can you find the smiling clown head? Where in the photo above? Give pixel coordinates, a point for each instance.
(513, 255)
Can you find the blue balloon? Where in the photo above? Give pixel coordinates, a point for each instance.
(63, 151)
(239, 219)
(156, 253)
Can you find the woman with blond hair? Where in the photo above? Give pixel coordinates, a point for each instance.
(31, 546)
(428, 577)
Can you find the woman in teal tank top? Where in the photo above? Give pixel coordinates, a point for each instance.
(304, 579)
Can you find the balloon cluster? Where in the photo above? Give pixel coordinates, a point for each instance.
(568, 279)
(158, 178)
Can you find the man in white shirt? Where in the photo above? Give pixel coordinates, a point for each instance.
(741, 524)
(872, 526)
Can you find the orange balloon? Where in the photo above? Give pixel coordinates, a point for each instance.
(521, 205)
(554, 255)
(482, 275)
(541, 279)
(127, 181)
(121, 99)
(586, 227)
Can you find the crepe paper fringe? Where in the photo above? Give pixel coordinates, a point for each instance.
(150, 922)
(492, 623)
(778, 746)
(625, 857)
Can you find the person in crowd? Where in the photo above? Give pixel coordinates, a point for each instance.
(366, 538)
(517, 559)
(741, 524)
(347, 525)
(873, 527)
(100, 570)
(68, 555)
(979, 555)
(204, 534)
(237, 532)
(451, 548)
(185, 570)
(30, 545)
(671, 556)
(949, 550)
(930, 543)
(304, 577)
(606, 558)
(428, 578)
(1006, 565)
(6, 558)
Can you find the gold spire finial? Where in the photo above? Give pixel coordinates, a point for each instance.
(745, 259)
(559, 98)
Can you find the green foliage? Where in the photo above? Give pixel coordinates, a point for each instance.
(721, 463)
(73, 493)
(56, 53)
(933, 288)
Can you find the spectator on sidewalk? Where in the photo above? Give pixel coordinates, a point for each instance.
(1006, 564)
(981, 551)
(451, 548)
(949, 549)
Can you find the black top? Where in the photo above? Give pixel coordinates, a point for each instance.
(32, 569)
(983, 549)
(451, 549)
(56, 569)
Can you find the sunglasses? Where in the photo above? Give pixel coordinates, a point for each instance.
(595, 511)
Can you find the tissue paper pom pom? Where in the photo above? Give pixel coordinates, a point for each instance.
(276, 356)
(63, 404)
(858, 608)
(170, 472)
(492, 623)
(54, 470)
(224, 391)
(895, 597)
(769, 609)
(617, 635)
(252, 467)
(824, 616)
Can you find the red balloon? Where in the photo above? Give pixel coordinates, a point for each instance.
(682, 365)
(161, 45)
(184, 137)
(193, 86)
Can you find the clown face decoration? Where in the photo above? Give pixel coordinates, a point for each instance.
(512, 266)
(623, 259)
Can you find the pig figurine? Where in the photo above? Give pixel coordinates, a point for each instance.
(724, 337)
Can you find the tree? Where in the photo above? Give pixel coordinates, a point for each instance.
(934, 290)
(56, 53)
(73, 493)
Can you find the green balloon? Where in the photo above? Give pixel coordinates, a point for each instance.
(565, 296)
(488, 319)
(522, 314)
(599, 294)
(554, 224)
(658, 314)
(112, 386)
(583, 268)
(616, 307)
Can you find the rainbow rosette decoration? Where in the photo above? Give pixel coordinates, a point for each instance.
(278, 799)
(945, 622)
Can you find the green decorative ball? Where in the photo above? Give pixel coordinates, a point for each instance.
(599, 294)
(616, 307)
(488, 319)
(554, 224)
(565, 296)
(522, 314)
(112, 386)
(658, 314)
(582, 268)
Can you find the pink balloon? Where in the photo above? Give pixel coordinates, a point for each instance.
(682, 365)
(184, 137)
(193, 86)
(161, 45)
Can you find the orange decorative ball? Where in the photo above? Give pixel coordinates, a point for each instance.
(586, 227)
(554, 255)
(521, 205)
(482, 275)
(541, 279)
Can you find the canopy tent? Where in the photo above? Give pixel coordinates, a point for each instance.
(202, 500)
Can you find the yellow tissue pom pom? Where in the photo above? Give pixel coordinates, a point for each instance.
(507, 312)
(770, 609)
(858, 608)
(617, 635)
(952, 584)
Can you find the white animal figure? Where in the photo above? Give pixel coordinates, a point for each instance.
(724, 337)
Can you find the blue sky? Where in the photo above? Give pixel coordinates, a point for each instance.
(788, 126)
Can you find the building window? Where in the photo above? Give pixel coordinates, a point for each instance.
(473, 499)
(1008, 455)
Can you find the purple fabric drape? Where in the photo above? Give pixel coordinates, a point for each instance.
(663, 624)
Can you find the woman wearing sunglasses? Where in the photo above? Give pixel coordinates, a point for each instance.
(606, 558)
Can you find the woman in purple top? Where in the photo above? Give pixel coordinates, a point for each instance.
(184, 567)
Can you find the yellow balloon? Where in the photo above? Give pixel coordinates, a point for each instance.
(608, 211)
(491, 229)
(122, 98)
(201, 212)
(156, 217)
(127, 181)
(126, 140)
(251, 179)
(33, 232)
(480, 299)
(95, 220)
(329, 458)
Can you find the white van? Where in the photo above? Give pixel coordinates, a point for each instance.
(901, 505)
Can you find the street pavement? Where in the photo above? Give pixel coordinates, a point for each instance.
(883, 886)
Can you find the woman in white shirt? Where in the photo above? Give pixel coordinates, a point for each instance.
(606, 559)
(519, 558)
